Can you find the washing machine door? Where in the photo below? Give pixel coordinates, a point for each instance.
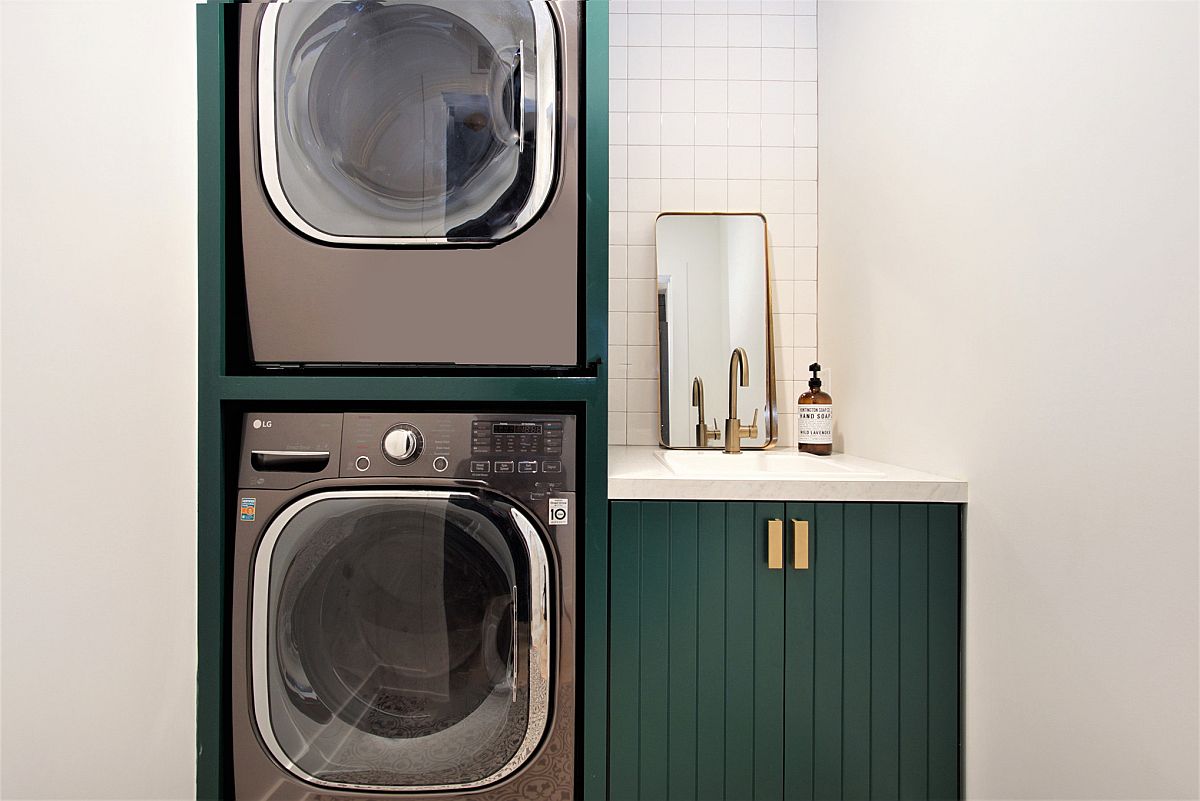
(393, 122)
(400, 639)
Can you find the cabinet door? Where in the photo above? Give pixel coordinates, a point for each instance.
(697, 653)
(872, 653)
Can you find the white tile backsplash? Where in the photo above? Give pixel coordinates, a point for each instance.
(713, 107)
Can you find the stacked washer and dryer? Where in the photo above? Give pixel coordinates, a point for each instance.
(403, 582)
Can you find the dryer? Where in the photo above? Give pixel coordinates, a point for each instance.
(409, 181)
(403, 606)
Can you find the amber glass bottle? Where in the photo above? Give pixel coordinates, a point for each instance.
(814, 418)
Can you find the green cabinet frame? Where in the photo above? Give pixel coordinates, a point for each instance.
(227, 388)
(730, 680)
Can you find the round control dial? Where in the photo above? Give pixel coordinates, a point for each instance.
(402, 443)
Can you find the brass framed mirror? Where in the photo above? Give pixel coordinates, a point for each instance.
(714, 301)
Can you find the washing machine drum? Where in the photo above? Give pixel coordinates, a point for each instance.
(400, 639)
(405, 122)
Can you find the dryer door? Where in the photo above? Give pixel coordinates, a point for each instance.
(392, 122)
(401, 639)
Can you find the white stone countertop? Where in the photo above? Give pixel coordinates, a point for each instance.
(782, 474)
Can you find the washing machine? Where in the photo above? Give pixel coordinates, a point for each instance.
(409, 182)
(403, 607)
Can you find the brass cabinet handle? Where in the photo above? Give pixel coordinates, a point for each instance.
(775, 544)
(800, 544)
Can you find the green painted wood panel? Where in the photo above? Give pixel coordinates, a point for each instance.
(943, 652)
(856, 652)
(654, 682)
(840, 681)
(769, 671)
(827, 657)
(742, 550)
(798, 663)
(683, 641)
(624, 653)
(914, 651)
(885, 650)
(710, 653)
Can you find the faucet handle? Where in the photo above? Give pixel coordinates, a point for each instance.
(713, 433)
(751, 430)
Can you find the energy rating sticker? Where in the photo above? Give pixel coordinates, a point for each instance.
(248, 509)
(559, 511)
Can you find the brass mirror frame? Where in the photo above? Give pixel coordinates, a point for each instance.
(771, 415)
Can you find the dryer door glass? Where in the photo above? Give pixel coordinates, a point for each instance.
(401, 639)
(408, 123)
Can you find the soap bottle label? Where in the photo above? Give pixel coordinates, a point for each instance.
(814, 424)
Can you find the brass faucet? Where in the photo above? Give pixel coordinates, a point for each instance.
(704, 434)
(739, 373)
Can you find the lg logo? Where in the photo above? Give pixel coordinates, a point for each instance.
(261, 424)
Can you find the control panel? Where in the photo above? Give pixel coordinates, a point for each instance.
(528, 456)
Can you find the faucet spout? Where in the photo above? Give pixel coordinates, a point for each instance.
(739, 375)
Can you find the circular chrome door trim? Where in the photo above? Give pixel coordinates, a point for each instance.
(540, 631)
(545, 28)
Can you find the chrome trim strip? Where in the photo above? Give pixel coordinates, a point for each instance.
(540, 631)
(546, 28)
(313, 454)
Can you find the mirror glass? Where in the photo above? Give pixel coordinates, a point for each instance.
(713, 297)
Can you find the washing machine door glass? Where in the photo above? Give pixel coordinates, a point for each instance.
(401, 639)
(408, 123)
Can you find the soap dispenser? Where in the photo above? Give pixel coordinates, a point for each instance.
(814, 418)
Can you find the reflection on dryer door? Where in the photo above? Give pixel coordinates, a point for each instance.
(407, 123)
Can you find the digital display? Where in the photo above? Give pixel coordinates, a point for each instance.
(516, 428)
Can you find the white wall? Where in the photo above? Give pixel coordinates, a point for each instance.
(712, 108)
(97, 350)
(1009, 294)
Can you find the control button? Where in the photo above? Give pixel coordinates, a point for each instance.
(504, 467)
(362, 464)
(402, 443)
(551, 467)
(440, 464)
(527, 467)
(481, 467)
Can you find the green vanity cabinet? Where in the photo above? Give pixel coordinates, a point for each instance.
(731, 679)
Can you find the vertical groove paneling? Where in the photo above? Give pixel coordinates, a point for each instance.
(710, 654)
(798, 664)
(768, 662)
(655, 661)
(624, 656)
(885, 650)
(681, 772)
(856, 653)
(733, 681)
(827, 685)
(741, 551)
(943, 652)
(914, 651)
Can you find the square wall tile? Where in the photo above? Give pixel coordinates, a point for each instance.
(712, 30)
(712, 96)
(645, 30)
(641, 262)
(678, 96)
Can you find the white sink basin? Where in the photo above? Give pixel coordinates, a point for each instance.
(760, 465)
